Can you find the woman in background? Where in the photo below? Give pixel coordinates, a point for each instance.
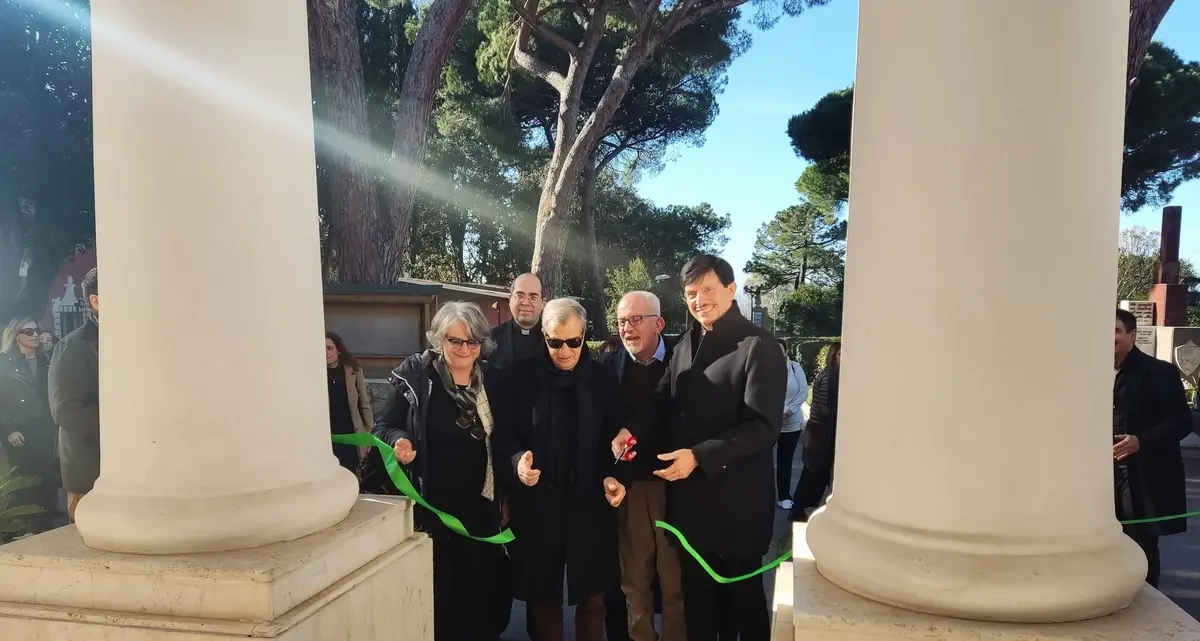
(820, 436)
(793, 426)
(349, 403)
(26, 427)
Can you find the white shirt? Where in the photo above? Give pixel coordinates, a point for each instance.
(794, 401)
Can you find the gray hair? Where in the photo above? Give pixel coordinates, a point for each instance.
(469, 314)
(646, 297)
(560, 310)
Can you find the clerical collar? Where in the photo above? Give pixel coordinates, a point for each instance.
(660, 354)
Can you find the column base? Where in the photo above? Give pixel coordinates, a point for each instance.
(138, 524)
(369, 577)
(821, 611)
(978, 578)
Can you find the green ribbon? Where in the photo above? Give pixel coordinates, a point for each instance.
(788, 553)
(400, 479)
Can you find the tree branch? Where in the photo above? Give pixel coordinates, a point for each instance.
(531, 63)
(526, 12)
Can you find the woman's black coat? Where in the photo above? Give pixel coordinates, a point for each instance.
(555, 526)
(820, 433)
(25, 408)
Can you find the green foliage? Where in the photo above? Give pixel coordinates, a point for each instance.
(1162, 130)
(1137, 251)
(12, 517)
(811, 310)
(635, 277)
(802, 245)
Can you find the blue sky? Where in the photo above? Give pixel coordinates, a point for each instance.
(746, 167)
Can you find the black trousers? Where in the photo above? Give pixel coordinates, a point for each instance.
(785, 451)
(809, 491)
(1149, 545)
(724, 612)
(616, 615)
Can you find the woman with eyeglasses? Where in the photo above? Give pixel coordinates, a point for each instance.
(556, 415)
(28, 431)
(438, 420)
(349, 402)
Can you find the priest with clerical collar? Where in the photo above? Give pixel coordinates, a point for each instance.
(521, 337)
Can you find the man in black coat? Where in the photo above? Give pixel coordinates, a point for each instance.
(520, 338)
(722, 398)
(646, 551)
(1150, 417)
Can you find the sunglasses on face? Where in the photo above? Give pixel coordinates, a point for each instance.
(470, 423)
(30, 331)
(459, 343)
(557, 343)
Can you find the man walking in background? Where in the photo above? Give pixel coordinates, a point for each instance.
(1150, 417)
(521, 337)
(640, 364)
(722, 398)
(74, 388)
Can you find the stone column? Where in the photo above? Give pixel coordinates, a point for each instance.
(974, 465)
(214, 421)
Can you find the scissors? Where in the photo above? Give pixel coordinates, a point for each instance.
(626, 452)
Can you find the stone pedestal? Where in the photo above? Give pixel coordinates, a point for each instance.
(364, 579)
(810, 608)
(974, 452)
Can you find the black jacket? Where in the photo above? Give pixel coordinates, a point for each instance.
(656, 437)
(74, 384)
(505, 336)
(24, 408)
(820, 433)
(557, 526)
(723, 397)
(1149, 403)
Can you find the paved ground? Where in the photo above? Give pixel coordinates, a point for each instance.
(1180, 556)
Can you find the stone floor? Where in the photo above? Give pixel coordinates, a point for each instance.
(1180, 557)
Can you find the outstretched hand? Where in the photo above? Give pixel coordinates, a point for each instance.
(682, 464)
(525, 471)
(620, 445)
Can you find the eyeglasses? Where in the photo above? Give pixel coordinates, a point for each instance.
(523, 297)
(30, 331)
(634, 320)
(472, 344)
(557, 343)
(470, 423)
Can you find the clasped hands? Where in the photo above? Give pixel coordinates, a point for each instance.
(529, 476)
(683, 462)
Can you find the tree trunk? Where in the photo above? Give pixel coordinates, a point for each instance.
(1144, 18)
(571, 155)
(12, 248)
(435, 39)
(458, 243)
(340, 105)
(43, 267)
(598, 306)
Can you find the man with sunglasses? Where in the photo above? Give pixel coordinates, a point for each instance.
(721, 401)
(646, 551)
(520, 338)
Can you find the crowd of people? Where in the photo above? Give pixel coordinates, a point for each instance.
(520, 426)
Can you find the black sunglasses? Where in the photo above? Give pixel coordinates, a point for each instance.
(30, 331)
(459, 342)
(557, 343)
(470, 423)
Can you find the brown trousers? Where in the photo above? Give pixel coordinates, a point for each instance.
(547, 620)
(646, 551)
(72, 503)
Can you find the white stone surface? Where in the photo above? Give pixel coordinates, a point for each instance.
(823, 612)
(363, 580)
(974, 463)
(213, 401)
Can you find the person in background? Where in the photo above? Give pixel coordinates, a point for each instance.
(349, 403)
(1150, 417)
(74, 384)
(556, 415)
(640, 362)
(520, 338)
(722, 397)
(438, 419)
(26, 426)
(820, 437)
(48, 342)
(793, 426)
(611, 345)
